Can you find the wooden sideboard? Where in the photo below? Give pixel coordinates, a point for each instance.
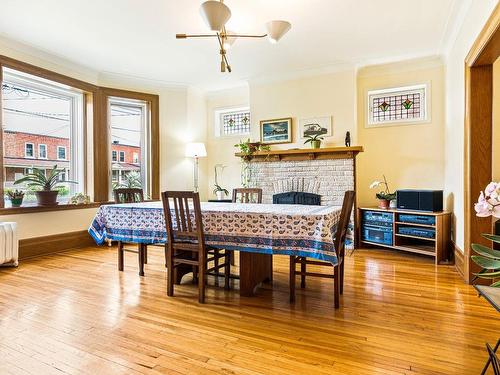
(392, 223)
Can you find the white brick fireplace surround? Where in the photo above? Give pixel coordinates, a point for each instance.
(329, 178)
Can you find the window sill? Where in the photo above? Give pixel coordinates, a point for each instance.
(59, 207)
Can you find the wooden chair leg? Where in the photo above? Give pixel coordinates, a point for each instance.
(170, 272)
(141, 259)
(145, 254)
(120, 256)
(303, 270)
(202, 277)
(336, 287)
(292, 279)
(233, 259)
(227, 268)
(341, 277)
(216, 266)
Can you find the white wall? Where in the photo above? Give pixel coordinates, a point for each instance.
(475, 18)
(221, 149)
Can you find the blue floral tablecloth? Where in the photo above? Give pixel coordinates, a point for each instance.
(265, 228)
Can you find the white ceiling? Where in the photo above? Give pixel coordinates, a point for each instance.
(137, 37)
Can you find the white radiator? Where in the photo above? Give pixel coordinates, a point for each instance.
(9, 244)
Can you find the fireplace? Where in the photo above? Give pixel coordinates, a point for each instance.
(297, 197)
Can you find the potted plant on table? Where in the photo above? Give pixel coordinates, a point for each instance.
(46, 185)
(314, 140)
(384, 196)
(16, 197)
(488, 259)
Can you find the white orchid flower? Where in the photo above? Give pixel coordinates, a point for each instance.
(374, 184)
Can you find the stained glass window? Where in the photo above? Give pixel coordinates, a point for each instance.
(235, 122)
(397, 105)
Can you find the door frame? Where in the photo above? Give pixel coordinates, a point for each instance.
(478, 136)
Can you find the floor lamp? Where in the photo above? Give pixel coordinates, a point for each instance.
(196, 150)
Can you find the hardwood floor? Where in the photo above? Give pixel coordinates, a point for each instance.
(75, 313)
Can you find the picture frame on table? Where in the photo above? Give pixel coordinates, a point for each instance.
(316, 126)
(276, 131)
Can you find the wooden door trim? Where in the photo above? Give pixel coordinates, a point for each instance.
(478, 131)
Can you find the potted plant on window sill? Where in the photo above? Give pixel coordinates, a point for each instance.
(46, 186)
(16, 197)
(385, 196)
(314, 140)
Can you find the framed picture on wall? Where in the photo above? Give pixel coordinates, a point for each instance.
(276, 131)
(316, 126)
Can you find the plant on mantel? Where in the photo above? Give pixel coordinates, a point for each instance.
(488, 259)
(247, 149)
(314, 140)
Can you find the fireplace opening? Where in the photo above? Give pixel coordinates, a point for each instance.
(297, 197)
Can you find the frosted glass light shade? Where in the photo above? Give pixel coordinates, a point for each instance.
(276, 30)
(196, 150)
(215, 14)
(229, 41)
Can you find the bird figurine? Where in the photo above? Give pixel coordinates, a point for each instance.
(348, 139)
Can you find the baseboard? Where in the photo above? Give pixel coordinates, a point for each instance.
(459, 259)
(38, 246)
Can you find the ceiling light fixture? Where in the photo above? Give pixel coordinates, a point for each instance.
(216, 14)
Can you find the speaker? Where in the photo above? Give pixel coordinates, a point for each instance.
(420, 200)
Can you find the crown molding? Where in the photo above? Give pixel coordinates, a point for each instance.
(404, 65)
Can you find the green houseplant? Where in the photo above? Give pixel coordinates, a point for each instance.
(247, 149)
(384, 196)
(16, 197)
(219, 191)
(46, 185)
(487, 258)
(314, 140)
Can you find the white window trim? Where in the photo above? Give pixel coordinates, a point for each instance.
(116, 153)
(32, 150)
(218, 128)
(65, 153)
(135, 157)
(120, 153)
(46, 153)
(76, 130)
(425, 105)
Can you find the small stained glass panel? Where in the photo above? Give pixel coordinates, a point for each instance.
(234, 123)
(400, 105)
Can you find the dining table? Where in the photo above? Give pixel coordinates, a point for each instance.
(257, 231)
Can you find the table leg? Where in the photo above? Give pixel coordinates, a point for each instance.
(255, 268)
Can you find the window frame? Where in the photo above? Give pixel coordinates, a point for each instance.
(46, 151)
(114, 155)
(120, 158)
(26, 150)
(65, 153)
(218, 121)
(95, 136)
(400, 90)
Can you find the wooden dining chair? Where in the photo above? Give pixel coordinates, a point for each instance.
(186, 241)
(339, 244)
(247, 195)
(128, 195)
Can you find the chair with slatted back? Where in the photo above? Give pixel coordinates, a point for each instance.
(247, 195)
(339, 243)
(186, 241)
(128, 195)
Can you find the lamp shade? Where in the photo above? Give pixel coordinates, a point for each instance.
(215, 14)
(196, 150)
(276, 30)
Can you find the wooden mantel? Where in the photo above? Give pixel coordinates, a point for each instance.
(306, 154)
